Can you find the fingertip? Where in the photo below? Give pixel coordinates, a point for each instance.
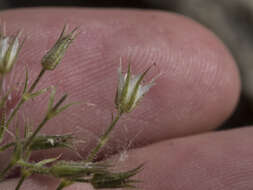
(198, 90)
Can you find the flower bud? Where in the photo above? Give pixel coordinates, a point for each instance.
(130, 90)
(54, 56)
(9, 49)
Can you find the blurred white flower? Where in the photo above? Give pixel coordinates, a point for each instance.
(9, 49)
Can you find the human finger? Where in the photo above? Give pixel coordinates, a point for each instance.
(198, 89)
(215, 160)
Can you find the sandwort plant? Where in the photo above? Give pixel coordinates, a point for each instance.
(98, 173)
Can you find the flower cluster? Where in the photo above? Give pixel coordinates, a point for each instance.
(100, 175)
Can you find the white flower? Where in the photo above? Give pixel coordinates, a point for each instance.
(9, 49)
(130, 90)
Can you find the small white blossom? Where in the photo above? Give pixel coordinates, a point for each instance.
(9, 49)
(130, 90)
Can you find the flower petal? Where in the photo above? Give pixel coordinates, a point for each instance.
(4, 45)
(13, 53)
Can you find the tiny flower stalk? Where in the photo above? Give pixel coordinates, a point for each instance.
(24, 174)
(103, 139)
(129, 93)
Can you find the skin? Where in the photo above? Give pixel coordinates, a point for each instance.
(198, 90)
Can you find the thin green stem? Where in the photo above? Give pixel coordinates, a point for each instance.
(1, 83)
(60, 186)
(20, 182)
(103, 139)
(2, 121)
(64, 183)
(3, 173)
(37, 80)
(63, 98)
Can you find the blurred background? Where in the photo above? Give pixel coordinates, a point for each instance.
(231, 20)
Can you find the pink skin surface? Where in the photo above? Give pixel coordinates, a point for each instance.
(198, 89)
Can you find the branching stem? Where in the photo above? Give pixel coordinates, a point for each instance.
(44, 121)
(22, 101)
